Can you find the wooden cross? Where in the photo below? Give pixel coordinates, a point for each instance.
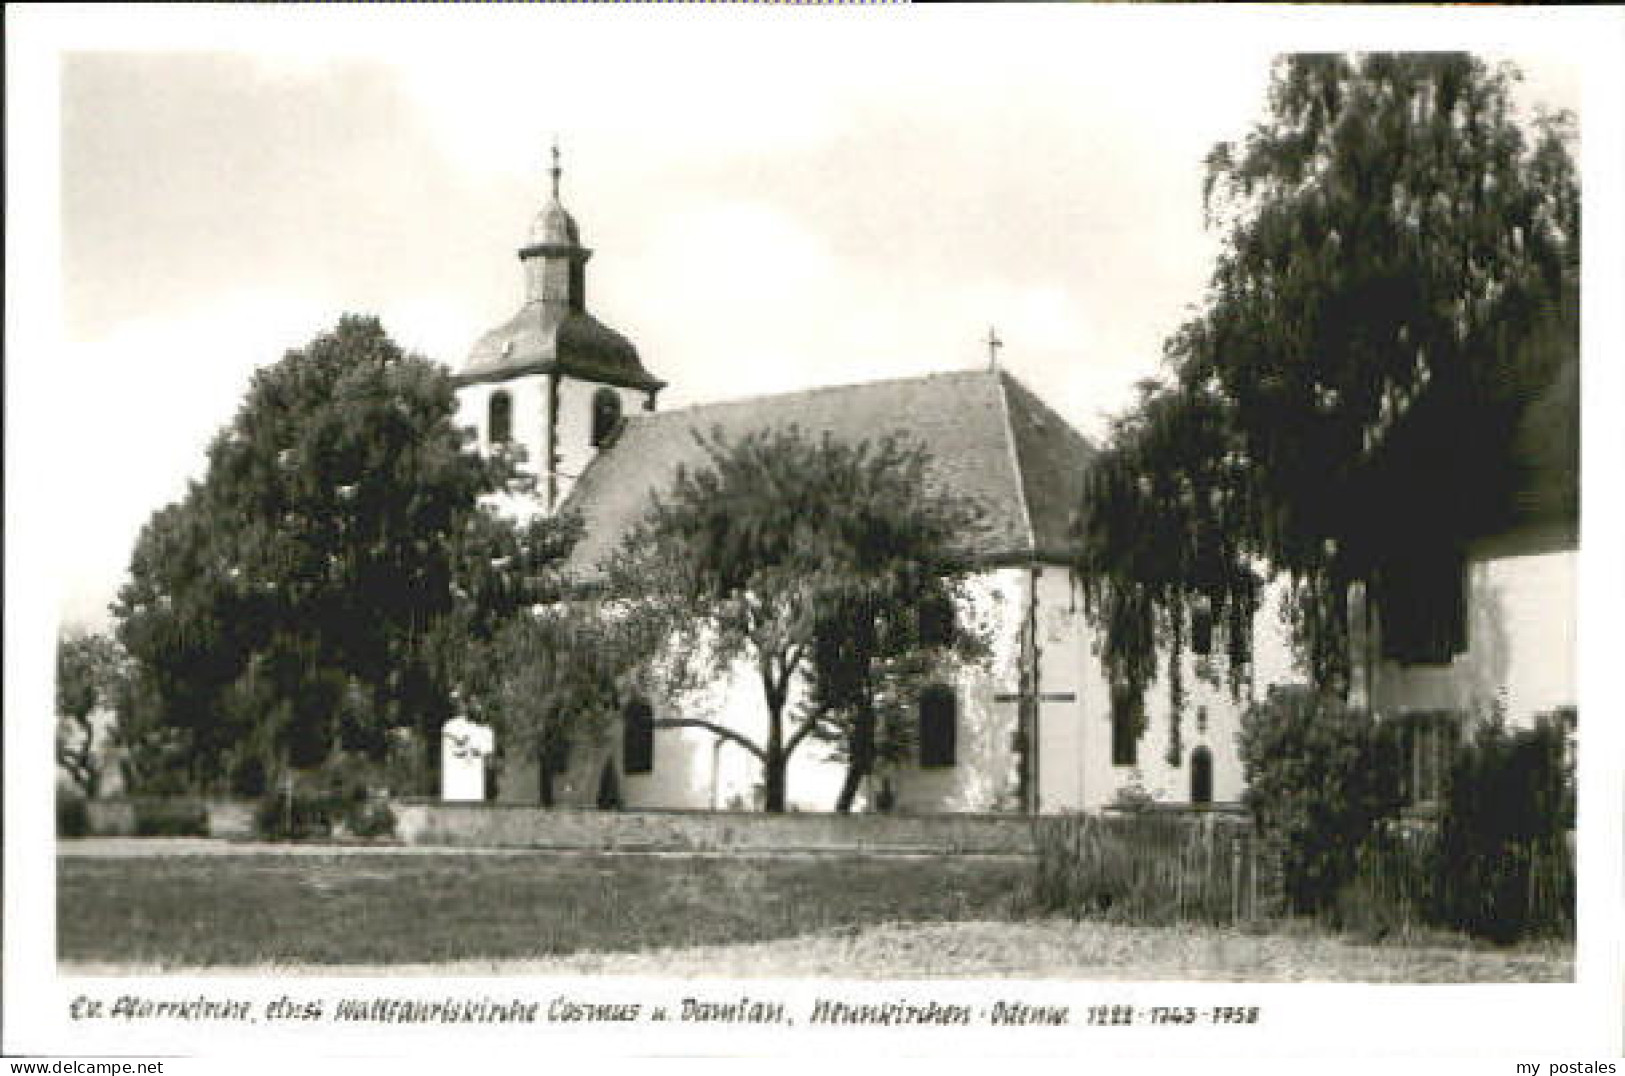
(993, 345)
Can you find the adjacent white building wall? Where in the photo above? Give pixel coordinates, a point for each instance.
(1521, 645)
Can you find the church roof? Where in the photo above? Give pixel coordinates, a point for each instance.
(552, 332)
(554, 226)
(988, 437)
(542, 338)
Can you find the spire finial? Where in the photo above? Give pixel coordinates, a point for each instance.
(993, 344)
(556, 170)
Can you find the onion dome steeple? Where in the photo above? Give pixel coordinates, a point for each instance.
(553, 332)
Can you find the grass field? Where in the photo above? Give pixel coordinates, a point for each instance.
(383, 909)
(540, 913)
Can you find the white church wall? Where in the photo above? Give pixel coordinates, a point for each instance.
(696, 770)
(529, 397)
(1070, 687)
(691, 773)
(984, 776)
(577, 785)
(575, 447)
(529, 430)
(1521, 634)
(1210, 717)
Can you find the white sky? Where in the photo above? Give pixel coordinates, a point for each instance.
(777, 199)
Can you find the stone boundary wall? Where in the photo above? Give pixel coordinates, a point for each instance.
(124, 816)
(485, 825)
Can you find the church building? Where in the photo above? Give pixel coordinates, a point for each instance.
(1030, 728)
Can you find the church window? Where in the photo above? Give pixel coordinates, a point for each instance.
(1126, 723)
(939, 720)
(499, 418)
(936, 620)
(1201, 775)
(638, 738)
(606, 415)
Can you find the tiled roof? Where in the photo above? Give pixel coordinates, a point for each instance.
(988, 437)
(1049, 450)
(539, 339)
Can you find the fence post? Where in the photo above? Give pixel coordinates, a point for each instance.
(1235, 880)
(1252, 879)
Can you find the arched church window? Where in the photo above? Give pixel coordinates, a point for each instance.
(638, 738)
(936, 620)
(939, 725)
(1201, 775)
(499, 418)
(606, 415)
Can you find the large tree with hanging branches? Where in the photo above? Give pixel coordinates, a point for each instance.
(1398, 278)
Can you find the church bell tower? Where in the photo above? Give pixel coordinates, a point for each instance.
(553, 380)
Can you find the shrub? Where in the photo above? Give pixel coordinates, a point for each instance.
(370, 818)
(72, 816)
(1504, 855)
(300, 816)
(1133, 798)
(180, 817)
(1320, 778)
(1395, 883)
(322, 813)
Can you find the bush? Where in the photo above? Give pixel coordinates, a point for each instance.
(301, 816)
(1504, 854)
(370, 818)
(1320, 778)
(171, 818)
(72, 816)
(320, 814)
(1395, 883)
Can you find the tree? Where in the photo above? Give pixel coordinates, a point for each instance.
(529, 652)
(1321, 777)
(776, 536)
(1398, 278)
(285, 609)
(90, 679)
(554, 677)
(876, 647)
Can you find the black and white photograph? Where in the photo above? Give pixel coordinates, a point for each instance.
(1043, 530)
